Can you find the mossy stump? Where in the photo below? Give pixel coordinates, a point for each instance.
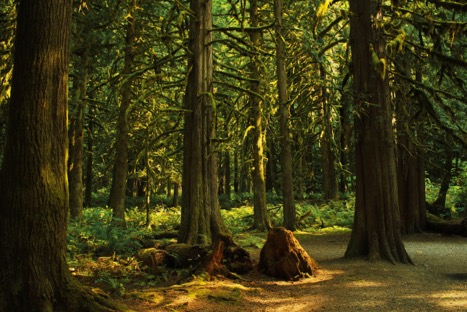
(283, 257)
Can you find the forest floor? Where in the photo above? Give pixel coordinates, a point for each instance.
(437, 282)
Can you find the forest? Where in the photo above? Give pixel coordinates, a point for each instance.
(240, 155)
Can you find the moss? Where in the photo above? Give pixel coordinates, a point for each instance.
(379, 64)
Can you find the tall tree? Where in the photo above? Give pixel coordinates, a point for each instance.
(34, 275)
(200, 219)
(286, 149)
(326, 142)
(120, 170)
(376, 232)
(261, 219)
(75, 160)
(410, 162)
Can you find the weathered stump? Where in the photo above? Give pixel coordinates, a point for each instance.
(283, 257)
(227, 258)
(238, 260)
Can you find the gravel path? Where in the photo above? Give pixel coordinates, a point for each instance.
(438, 282)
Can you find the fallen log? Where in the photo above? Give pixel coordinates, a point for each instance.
(447, 227)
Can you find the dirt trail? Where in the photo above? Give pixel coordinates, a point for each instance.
(438, 282)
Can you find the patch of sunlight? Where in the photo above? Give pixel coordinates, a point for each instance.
(290, 307)
(450, 299)
(148, 296)
(364, 283)
(336, 229)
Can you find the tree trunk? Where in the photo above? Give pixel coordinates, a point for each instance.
(200, 219)
(89, 162)
(175, 195)
(34, 275)
(286, 150)
(75, 160)
(227, 187)
(410, 163)
(326, 141)
(271, 166)
(120, 169)
(376, 230)
(438, 207)
(261, 219)
(345, 136)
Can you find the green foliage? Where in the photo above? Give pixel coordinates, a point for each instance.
(95, 234)
(331, 214)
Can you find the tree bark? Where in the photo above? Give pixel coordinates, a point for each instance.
(200, 219)
(376, 231)
(410, 163)
(34, 275)
(261, 219)
(286, 150)
(120, 169)
(75, 161)
(89, 163)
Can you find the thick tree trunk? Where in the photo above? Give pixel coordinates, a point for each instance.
(120, 169)
(410, 163)
(376, 230)
(286, 151)
(200, 220)
(261, 220)
(75, 160)
(34, 275)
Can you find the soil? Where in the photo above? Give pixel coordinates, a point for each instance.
(437, 282)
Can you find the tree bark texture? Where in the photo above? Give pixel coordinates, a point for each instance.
(286, 150)
(120, 169)
(200, 220)
(34, 275)
(376, 232)
(261, 220)
(283, 257)
(75, 160)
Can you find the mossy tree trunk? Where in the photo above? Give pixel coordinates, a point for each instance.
(261, 219)
(34, 275)
(286, 149)
(75, 160)
(376, 232)
(120, 169)
(200, 220)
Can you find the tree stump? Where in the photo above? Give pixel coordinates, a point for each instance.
(283, 257)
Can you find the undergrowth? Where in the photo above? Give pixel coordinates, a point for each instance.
(101, 251)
